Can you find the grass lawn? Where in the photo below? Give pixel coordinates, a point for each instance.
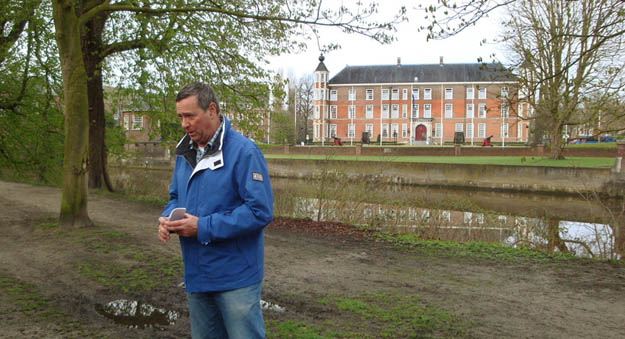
(489, 160)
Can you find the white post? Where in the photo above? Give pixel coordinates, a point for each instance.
(295, 113)
(351, 140)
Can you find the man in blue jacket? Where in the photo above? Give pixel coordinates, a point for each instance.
(221, 178)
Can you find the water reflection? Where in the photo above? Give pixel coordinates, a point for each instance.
(577, 225)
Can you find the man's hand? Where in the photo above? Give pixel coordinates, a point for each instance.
(163, 232)
(185, 227)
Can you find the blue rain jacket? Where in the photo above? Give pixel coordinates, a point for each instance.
(230, 193)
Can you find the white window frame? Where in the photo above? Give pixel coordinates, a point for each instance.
(504, 92)
(470, 93)
(449, 110)
(505, 110)
(404, 111)
(427, 110)
(469, 130)
(459, 127)
(317, 116)
(470, 112)
(137, 122)
(415, 110)
(394, 129)
(384, 130)
(369, 129)
(351, 130)
(438, 129)
(481, 110)
(385, 111)
(481, 130)
(404, 94)
(369, 111)
(481, 93)
(395, 111)
(449, 93)
(332, 130)
(384, 93)
(316, 131)
(333, 95)
(520, 110)
(333, 111)
(505, 127)
(351, 94)
(404, 130)
(415, 94)
(369, 94)
(427, 94)
(395, 94)
(351, 112)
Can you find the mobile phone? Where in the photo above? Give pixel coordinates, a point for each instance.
(177, 214)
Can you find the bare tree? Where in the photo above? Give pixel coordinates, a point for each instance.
(564, 52)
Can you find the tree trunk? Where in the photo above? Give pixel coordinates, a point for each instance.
(555, 139)
(553, 236)
(76, 154)
(92, 56)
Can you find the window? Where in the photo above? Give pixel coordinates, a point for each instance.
(404, 130)
(317, 77)
(427, 111)
(458, 127)
(519, 131)
(505, 111)
(415, 94)
(322, 94)
(504, 92)
(415, 110)
(369, 94)
(384, 94)
(316, 131)
(137, 122)
(468, 216)
(449, 93)
(394, 130)
(126, 122)
(351, 94)
(369, 129)
(481, 130)
(332, 130)
(438, 129)
(384, 111)
(481, 110)
(470, 93)
(317, 117)
(369, 112)
(504, 130)
(520, 110)
(351, 132)
(481, 93)
(332, 111)
(351, 112)
(427, 94)
(395, 111)
(404, 94)
(395, 94)
(404, 111)
(325, 111)
(449, 110)
(323, 77)
(469, 130)
(469, 110)
(385, 130)
(332, 95)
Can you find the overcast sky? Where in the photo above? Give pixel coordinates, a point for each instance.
(410, 46)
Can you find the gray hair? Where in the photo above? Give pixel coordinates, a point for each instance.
(205, 94)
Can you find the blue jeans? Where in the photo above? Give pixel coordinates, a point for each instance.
(232, 314)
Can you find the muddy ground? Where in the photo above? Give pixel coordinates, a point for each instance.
(304, 262)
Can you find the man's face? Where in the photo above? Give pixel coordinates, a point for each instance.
(200, 125)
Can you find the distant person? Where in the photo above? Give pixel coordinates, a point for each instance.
(221, 178)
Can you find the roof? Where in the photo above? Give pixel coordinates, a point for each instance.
(474, 72)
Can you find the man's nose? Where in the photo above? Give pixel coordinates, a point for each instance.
(184, 122)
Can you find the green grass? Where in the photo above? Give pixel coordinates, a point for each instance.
(603, 145)
(590, 162)
(374, 315)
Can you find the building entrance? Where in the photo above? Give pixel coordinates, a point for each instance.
(421, 133)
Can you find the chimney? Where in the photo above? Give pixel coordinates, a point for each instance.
(398, 62)
(441, 61)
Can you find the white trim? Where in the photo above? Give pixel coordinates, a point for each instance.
(209, 163)
(422, 83)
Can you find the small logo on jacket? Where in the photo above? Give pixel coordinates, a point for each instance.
(257, 176)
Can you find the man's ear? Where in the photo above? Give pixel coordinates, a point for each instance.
(212, 109)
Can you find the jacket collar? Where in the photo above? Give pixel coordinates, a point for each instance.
(187, 148)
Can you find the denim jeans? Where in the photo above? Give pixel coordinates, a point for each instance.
(232, 314)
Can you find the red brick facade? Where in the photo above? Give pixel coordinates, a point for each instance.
(440, 109)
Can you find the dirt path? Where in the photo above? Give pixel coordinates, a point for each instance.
(496, 299)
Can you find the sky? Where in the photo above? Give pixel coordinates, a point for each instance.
(410, 46)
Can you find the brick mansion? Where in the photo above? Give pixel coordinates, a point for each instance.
(418, 104)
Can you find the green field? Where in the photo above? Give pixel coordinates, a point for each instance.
(487, 160)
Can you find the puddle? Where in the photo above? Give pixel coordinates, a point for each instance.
(265, 305)
(135, 314)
